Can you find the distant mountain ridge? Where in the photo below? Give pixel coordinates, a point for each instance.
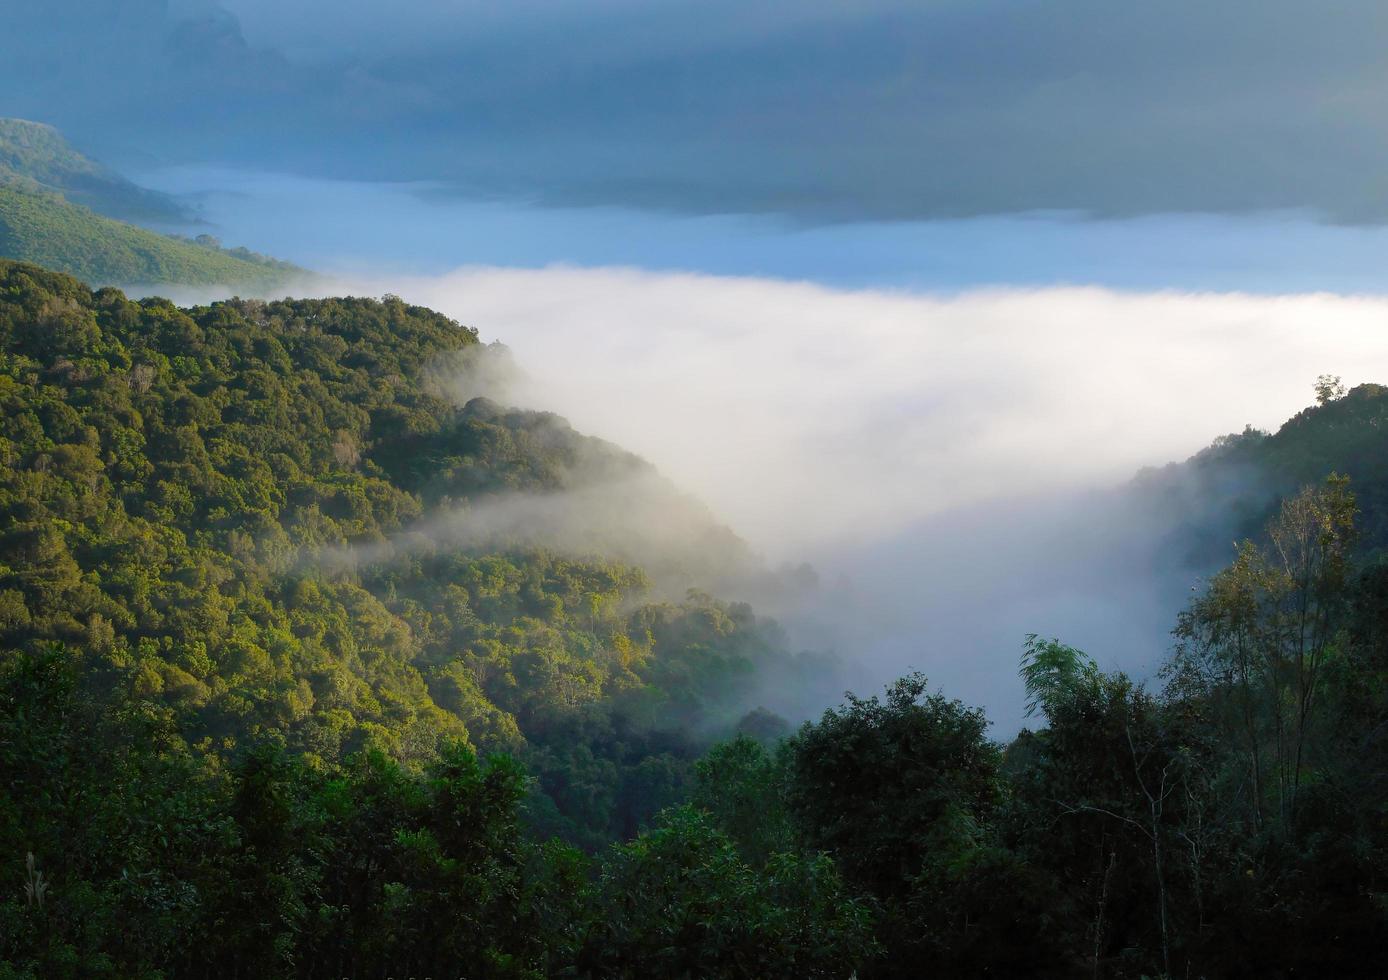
(36, 152)
(65, 211)
(43, 228)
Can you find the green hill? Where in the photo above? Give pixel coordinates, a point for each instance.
(65, 211)
(41, 227)
(246, 531)
(278, 527)
(39, 153)
(308, 670)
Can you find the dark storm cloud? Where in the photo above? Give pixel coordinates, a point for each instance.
(820, 110)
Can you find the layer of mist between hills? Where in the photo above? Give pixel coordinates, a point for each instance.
(922, 497)
(1106, 568)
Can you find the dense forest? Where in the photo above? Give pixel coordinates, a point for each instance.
(281, 695)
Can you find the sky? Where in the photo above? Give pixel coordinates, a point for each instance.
(824, 110)
(345, 226)
(906, 289)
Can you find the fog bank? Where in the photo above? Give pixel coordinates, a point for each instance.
(810, 417)
(950, 464)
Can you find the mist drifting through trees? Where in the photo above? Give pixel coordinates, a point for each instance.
(630, 490)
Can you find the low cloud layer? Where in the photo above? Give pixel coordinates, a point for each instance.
(807, 416)
(952, 465)
(824, 111)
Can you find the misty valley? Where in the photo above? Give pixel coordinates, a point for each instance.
(314, 660)
(677, 491)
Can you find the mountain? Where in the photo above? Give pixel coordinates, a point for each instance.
(1231, 489)
(65, 211)
(37, 152)
(40, 226)
(272, 520)
(272, 535)
(315, 660)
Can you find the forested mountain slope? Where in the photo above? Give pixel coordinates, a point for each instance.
(270, 593)
(269, 520)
